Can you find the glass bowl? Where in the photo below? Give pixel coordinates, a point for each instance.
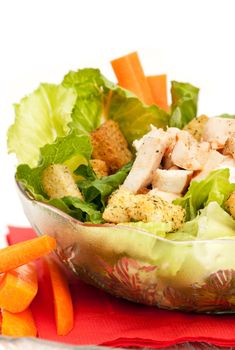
(133, 264)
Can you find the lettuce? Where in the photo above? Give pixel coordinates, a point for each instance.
(61, 151)
(53, 125)
(39, 118)
(212, 222)
(88, 108)
(133, 117)
(156, 228)
(85, 212)
(226, 115)
(187, 232)
(214, 188)
(184, 104)
(83, 100)
(75, 207)
(97, 190)
(98, 98)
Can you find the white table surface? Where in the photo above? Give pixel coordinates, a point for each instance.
(41, 40)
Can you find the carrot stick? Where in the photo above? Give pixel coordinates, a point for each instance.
(130, 75)
(24, 252)
(63, 306)
(18, 325)
(158, 86)
(18, 288)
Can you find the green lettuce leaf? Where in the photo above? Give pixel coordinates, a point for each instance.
(86, 172)
(211, 223)
(63, 149)
(88, 84)
(187, 232)
(226, 115)
(99, 98)
(85, 212)
(134, 118)
(75, 207)
(214, 188)
(200, 257)
(39, 118)
(73, 146)
(97, 190)
(214, 222)
(156, 228)
(184, 104)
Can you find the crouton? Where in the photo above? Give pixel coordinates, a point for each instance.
(100, 167)
(230, 204)
(110, 145)
(58, 182)
(116, 210)
(151, 208)
(196, 126)
(124, 206)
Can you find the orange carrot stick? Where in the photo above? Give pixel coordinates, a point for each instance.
(18, 288)
(63, 306)
(18, 325)
(130, 75)
(24, 252)
(158, 86)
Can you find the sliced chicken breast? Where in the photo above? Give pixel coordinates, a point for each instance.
(213, 162)
(166, 196)
(172, 138)
(153, 133)
(188, 153)
(218, 130)
(173, 181)
(148, 159)
(167, 162)
(174, 167)
(172, 133)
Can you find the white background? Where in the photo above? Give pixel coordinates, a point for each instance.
(41, 40)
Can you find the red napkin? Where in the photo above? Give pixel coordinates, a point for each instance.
(101, 319)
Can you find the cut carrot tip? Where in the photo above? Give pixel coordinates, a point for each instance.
(22, 253)
(18, 288)
(18, 325)
(130, 76)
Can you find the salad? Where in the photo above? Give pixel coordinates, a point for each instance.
(119, 154)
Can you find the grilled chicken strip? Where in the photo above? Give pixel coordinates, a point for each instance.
(148, 159)
(174, 181)
(188, 153)
(218, 130)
